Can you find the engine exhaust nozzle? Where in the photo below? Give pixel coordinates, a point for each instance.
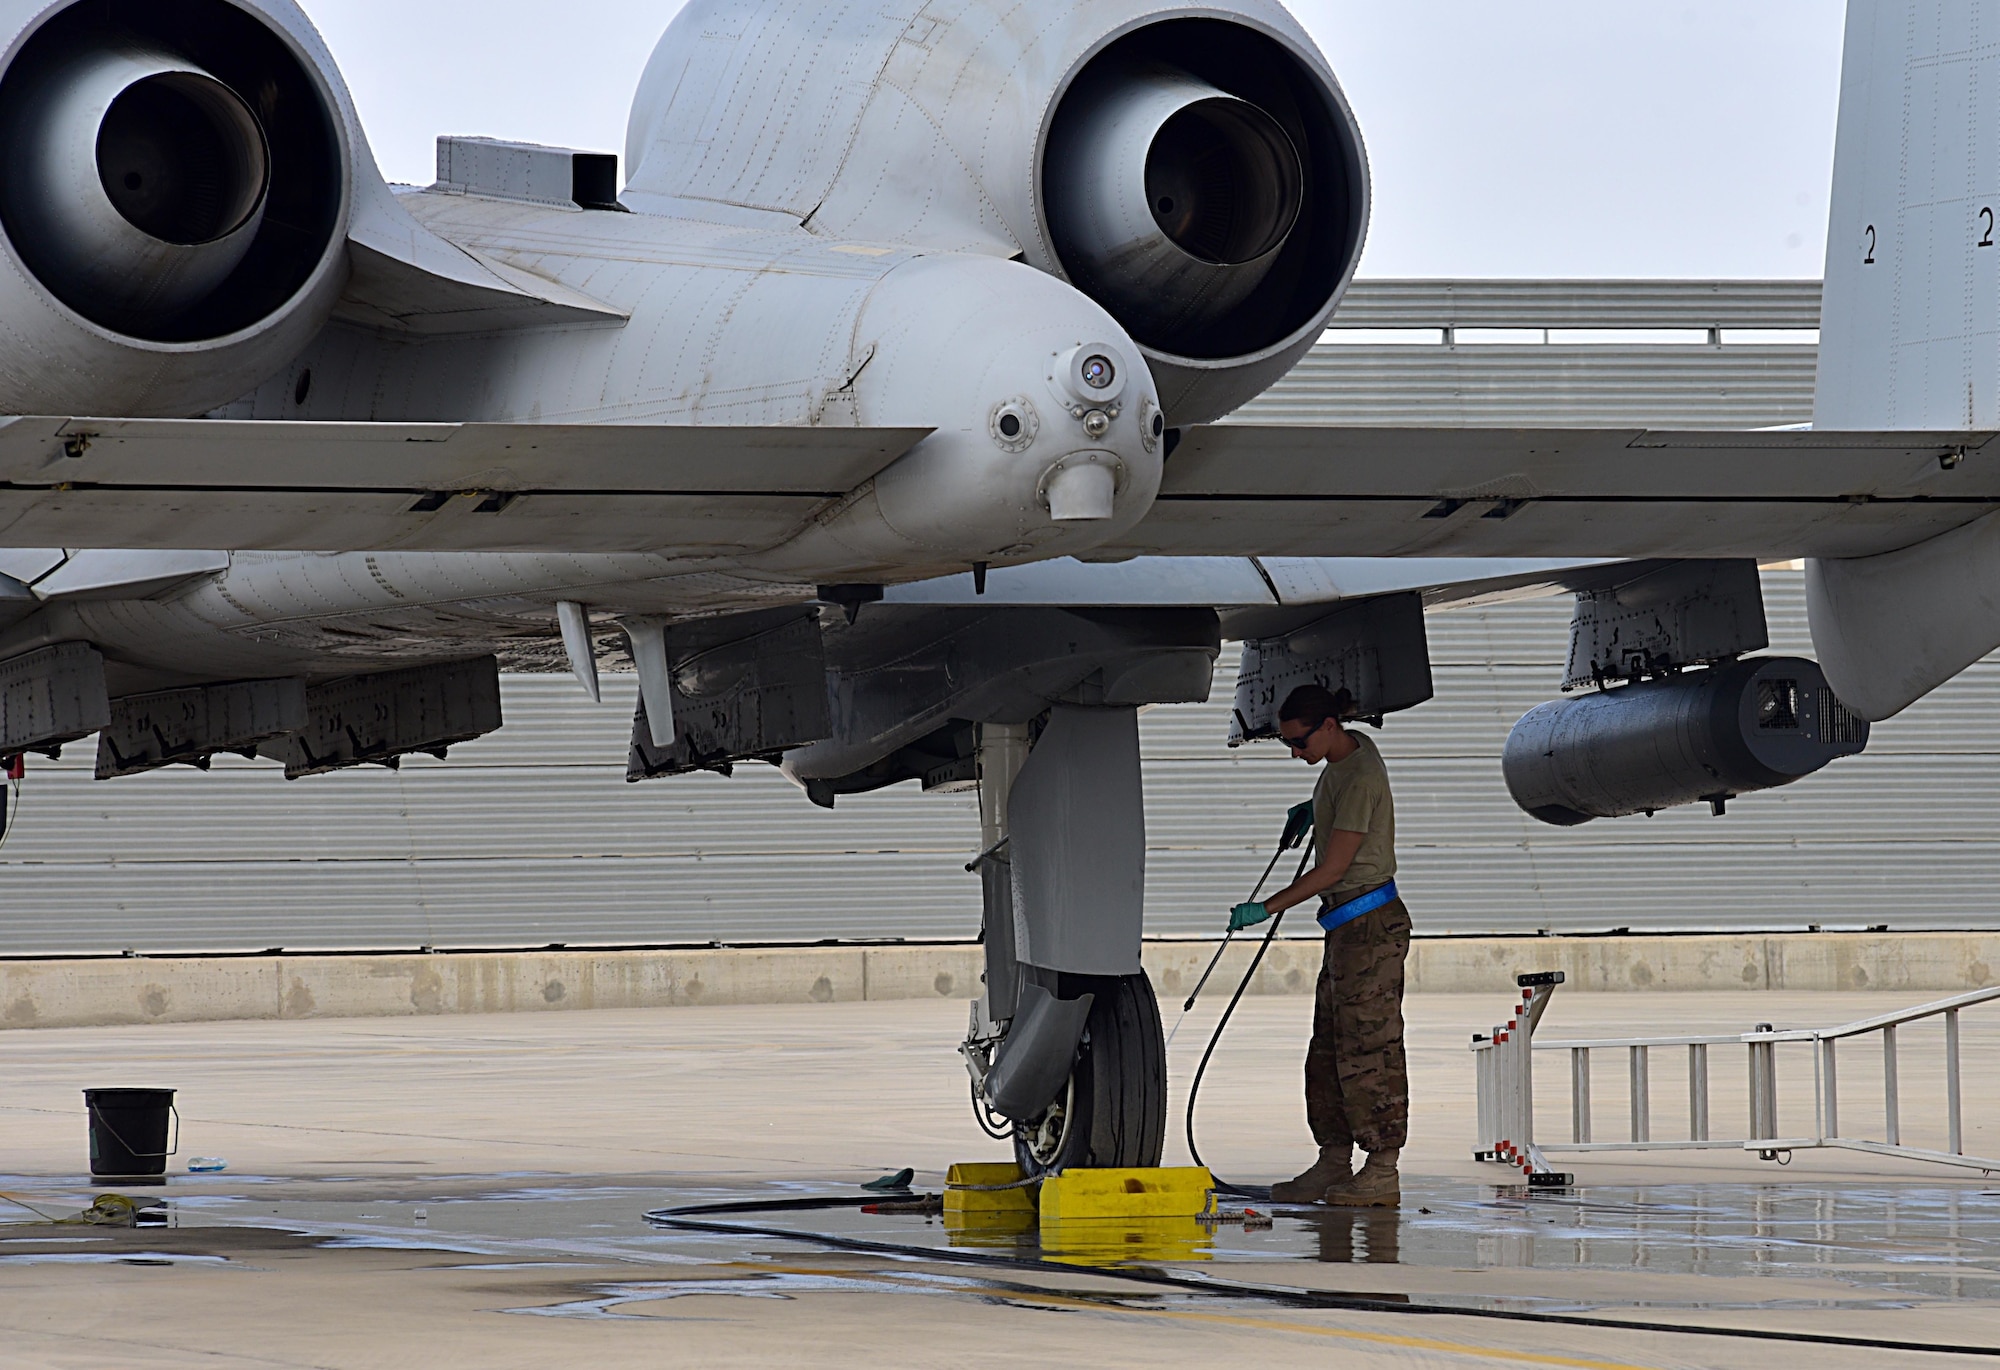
(137, 185)
(1169, 200)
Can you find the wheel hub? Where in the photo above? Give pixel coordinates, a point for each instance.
(1044, 1135)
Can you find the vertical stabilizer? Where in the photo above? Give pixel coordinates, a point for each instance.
(1910, 331)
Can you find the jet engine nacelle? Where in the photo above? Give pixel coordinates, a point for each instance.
(1196, 172)
(174, 201)
(1706, 735)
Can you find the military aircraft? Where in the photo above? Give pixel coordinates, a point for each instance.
(877, 417)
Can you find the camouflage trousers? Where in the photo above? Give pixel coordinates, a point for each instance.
(1357, 1081)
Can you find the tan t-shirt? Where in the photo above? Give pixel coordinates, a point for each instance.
(1353, 796)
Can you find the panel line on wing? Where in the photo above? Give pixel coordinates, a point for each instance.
(647, 492)
(1314, 497)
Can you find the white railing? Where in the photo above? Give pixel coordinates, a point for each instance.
(1504, 1066)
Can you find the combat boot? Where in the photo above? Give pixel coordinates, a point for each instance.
(1334, 1166)
(1375, 1185)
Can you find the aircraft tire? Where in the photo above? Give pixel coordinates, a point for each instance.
(1114, 1109)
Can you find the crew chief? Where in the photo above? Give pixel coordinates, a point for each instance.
(1357, 1079)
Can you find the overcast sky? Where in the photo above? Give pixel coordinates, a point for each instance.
(1545, 138)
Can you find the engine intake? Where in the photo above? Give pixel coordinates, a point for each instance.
(1706, 735)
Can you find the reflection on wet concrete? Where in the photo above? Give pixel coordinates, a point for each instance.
(1354, 1236)
(110, 1258)
(1802, 1245)
(1889, 1240)
(1081, 1241)
(1343, 1236)
(1881, 1247)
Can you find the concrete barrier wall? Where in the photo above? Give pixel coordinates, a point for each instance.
(99, 992)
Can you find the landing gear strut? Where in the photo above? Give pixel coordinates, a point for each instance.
(1065, 1043)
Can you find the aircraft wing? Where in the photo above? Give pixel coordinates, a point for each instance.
(296, 486)
(1238, 585)
(1231, 490)
(1242, 489)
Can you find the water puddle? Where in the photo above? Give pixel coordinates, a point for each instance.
(1708, 1246)
(109, 1258)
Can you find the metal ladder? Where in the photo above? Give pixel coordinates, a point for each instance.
(1504, 1063)
(1504, 1067)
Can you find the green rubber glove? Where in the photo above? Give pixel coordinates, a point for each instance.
(1298, 822)
(1247, 916)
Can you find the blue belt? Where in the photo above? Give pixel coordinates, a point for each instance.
(1332, 916)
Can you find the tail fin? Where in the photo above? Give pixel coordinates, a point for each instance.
(1910, 331)
(1910, 328)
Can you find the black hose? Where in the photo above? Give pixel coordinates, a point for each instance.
(694, 1218)
(1261, 1192)
(1194, 1088)
(983, 1116)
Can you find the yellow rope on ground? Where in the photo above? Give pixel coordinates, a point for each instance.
(106, 1210)
(23, 1203)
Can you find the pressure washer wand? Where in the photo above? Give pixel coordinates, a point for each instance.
(1216, 960)
(1298, 822)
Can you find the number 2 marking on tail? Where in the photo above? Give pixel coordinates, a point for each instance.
(1869, 260)
(1987, 240)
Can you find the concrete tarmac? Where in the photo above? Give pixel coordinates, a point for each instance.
(468, 1191)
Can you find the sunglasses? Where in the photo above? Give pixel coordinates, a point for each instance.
(1302, 741)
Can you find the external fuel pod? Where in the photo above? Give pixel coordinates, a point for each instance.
(1705, 735)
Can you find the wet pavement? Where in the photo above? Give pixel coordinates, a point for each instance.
(344, 1235)
(1898, 1263)
(1887, 1247)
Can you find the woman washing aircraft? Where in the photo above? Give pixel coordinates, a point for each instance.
(1357, 1081)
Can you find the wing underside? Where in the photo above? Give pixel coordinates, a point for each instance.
(1269, 490)
(1231, 490)
(239, 485)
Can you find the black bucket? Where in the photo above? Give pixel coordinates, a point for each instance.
(128, 1134)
